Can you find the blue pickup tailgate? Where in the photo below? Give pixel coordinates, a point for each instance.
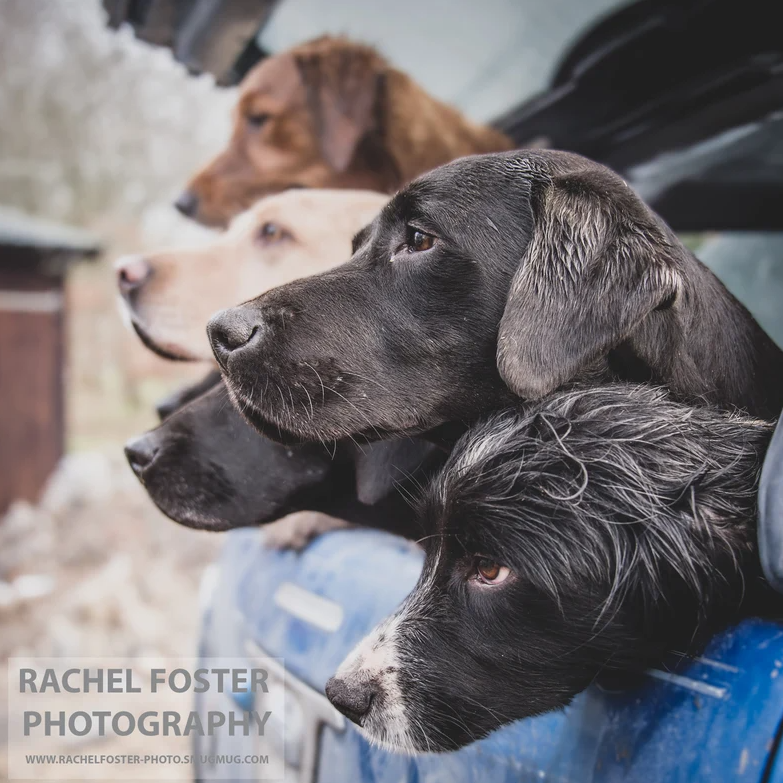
(713, 718)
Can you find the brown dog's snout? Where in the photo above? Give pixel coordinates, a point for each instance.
(187, 203)
(132, 273)
(351, 697)
(234, 330)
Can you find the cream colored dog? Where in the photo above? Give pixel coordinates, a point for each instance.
(170, 295)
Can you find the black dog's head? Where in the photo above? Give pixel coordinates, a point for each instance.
(595, 530)
(488, 279)
(204, 467)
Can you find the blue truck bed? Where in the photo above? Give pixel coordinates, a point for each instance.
(715, 718)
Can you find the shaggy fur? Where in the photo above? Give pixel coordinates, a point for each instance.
(627, 521)
(330, 113)
(536, 268)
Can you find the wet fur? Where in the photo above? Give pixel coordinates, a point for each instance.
(547, 269)
(628, 523)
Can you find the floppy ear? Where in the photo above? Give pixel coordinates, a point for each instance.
(381, 466)
(596, 265)
(344, 90)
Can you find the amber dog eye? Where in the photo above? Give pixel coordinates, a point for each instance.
(417, 241)
(271, 233)
(489, 572)
(257, 120)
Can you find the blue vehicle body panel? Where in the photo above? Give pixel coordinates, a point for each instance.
(713, 718)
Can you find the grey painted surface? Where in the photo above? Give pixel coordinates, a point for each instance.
(751, 266)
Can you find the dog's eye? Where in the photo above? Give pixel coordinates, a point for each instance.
(257, 120)
(488, 572)
(417, 241)
(271, 233)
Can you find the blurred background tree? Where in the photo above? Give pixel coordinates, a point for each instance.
(95, 122)
(100, 130)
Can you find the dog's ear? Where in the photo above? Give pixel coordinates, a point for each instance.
(381, 466)
(344, 90)
(596, 265)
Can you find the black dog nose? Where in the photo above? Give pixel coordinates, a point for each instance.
(187, 203)
(140, 453)
(230, 330)
(132, 273)
(353, 699)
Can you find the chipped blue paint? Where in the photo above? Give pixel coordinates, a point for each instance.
(714, 718)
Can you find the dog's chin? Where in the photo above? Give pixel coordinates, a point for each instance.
(262, 422)
(199, 521)
(181, 510)
(195, 518)
(199, 513)
(280, 429)
(406, 742)
(170, 351)
(272, 426)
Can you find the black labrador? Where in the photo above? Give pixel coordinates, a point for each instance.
(591, 532)
(492, 278)
(205, 468)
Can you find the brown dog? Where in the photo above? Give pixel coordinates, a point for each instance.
(329, 114)
(170, 295)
